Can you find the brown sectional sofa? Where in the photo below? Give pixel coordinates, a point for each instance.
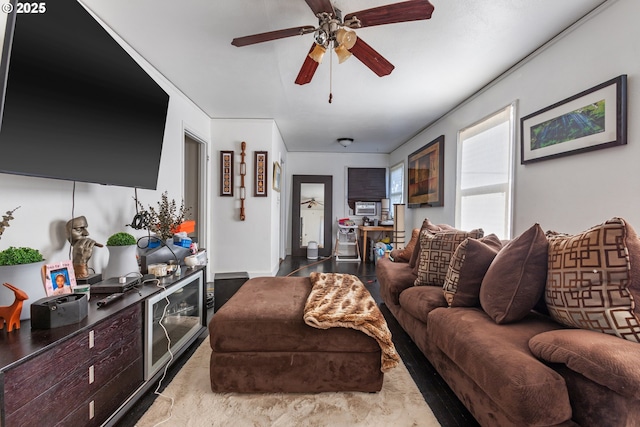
(530, 370)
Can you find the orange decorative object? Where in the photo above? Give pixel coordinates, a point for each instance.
(11, 313)
(187, 227)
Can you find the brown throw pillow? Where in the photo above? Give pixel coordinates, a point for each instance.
(594, 279)
(404, 254)
(436, 253)
(516, 278)
(467, 268)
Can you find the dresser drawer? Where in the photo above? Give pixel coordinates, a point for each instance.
(28, 380)
(41, 388)
(99, 407)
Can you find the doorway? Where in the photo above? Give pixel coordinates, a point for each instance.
(194, 176)
(312, 213)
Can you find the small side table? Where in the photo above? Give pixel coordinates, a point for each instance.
(225, 285)
(364, 229)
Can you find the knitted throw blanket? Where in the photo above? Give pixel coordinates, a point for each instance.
(341, 300)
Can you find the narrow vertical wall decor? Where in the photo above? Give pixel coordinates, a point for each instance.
(243, 172)
(226, 173)
(260, 174)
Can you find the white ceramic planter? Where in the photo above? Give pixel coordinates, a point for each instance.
(27, 277)
(122, 261)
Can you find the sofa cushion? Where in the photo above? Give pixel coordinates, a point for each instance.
(604, 359)
(393, 277)
(431, 227)
(594, 279)
(418, 301)
(467, 268)
(516, 278)
(436, 253)
(404, 254)
(497, 358)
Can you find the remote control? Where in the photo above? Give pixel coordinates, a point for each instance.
(110, 299)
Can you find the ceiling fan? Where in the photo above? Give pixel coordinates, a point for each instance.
(312, 203)
(334, 31)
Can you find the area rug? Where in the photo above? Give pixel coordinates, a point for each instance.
(398, 404)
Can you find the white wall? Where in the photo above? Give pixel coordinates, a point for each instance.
(252, 245)
(566, 194)
(278, 208)
(46, 204)
(335, 165)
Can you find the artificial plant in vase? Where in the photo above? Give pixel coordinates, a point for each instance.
(13, 255)
(167, 217)
(21, 267)
(122, 255)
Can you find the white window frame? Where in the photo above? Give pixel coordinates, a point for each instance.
(475, 129)
(391, 194)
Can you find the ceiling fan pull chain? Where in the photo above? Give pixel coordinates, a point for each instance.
(331, 76)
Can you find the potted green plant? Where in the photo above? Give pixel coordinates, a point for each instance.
(21, 267)
(121, 239)
(122, 255)
(17, 256)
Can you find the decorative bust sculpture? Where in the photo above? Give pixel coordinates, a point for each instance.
(82, 245)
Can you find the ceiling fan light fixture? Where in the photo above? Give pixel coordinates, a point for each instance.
(346, 38)
(317, 53)
(343, 53)
(345, 142)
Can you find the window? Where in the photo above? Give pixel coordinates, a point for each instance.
(396, 184)
(366, 185)
(484, 183)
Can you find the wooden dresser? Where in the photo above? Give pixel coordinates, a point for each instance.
(85, 374)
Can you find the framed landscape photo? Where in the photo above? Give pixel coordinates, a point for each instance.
(260, 167)
(593, 119)
(226, 173)
(426, 175)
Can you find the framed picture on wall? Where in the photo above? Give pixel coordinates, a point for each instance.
(226, 173)
(260, 167)
(276, 176)
(426, 175)
(593, 119)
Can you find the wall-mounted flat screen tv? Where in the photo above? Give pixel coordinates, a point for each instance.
(76, 105)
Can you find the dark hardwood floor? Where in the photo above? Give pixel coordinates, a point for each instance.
(443, 402)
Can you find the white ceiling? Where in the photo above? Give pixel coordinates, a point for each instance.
(438, 62)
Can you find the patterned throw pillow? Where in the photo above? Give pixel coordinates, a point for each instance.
(470, 262)
(433, 228)
(593, 279)
(436, 251)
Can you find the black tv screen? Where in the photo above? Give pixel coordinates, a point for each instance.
(76, 105)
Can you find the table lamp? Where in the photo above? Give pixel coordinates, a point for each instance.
(398, 226)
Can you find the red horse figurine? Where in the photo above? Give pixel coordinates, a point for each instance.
(11, 313)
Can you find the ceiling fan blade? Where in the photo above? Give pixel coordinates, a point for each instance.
(372, 59)
(319, 6)
(413, 10)
(272, 35)
(309, 67)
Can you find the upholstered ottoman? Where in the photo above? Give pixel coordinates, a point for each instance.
(261, 343)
